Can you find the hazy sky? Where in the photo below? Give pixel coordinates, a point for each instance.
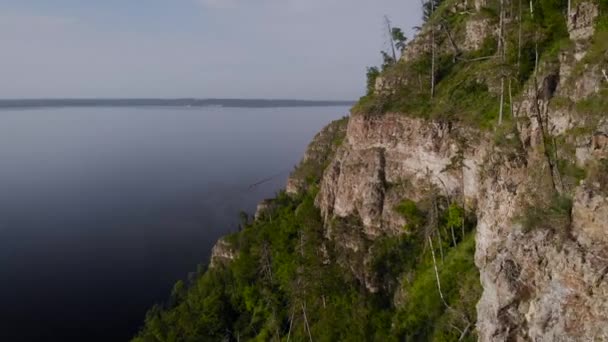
(316, 49)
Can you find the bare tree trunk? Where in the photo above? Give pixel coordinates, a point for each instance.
(541, 125)
(464, 203)
(436, 272)
(501, 16)
(536, 56)
(531, 8)
(511, 99)
(267, 262)
(501, 51)
(502, 100)
(432, 49)
(293, 312)
(558, 174)
(453, 236)
(519, 33)
(436, 224)
(306, 321)
(301, 244)
(446, 28)
(465, 332)
(387, 21)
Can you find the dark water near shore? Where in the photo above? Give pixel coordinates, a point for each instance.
(102, 210)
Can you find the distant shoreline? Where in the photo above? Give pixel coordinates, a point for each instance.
(186, 102)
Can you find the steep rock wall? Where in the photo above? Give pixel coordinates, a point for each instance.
(538, 285)
(383, 161)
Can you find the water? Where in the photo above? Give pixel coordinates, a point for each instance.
(102, 210)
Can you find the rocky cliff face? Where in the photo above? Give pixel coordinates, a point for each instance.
(543, 279)
(386, 159)
(544, 282)
(538, 285)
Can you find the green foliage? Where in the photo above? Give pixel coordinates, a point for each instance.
(594, 106)
(507, 140)
(409, 210)
(281, 272)
(454, 216)
(392, 257)
(398, 38)
(570, 172)
(552, 213)
(590, 113)
(387, 60)
(467, 84)
(279, 269)
(424, 316)
(429, 7)
(372, 76)
(598, 175)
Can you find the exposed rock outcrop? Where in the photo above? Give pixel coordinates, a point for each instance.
(477, 31)
(222, 253)
(547, 282)
(581, 20)
(538, 285)
(264, 208)
(382, 161)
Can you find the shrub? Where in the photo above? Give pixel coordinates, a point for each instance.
(553, 214)
(598, 175)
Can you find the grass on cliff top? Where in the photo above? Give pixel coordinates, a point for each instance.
(460, 96)
(468, 88)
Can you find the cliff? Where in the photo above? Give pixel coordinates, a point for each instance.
(544, 279)
(542, 282)
(477, 213)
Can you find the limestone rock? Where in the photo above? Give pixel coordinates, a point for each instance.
(477, 31)
(581, 20)
(222, 253)
(264, 208)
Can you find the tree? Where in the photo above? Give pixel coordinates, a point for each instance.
(389, 31)
(399, 39)
(372, 76)
(387, 60)
(502, 54)
(428, 8)
(428, 11)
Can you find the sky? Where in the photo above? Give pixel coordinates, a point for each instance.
(304, 49)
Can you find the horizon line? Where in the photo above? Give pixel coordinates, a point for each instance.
(165, 102)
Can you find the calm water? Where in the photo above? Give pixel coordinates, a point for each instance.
(102, 210)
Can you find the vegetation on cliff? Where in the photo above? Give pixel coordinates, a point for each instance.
(286, 284)
(288, 281)
(459, 74)
(291, 280)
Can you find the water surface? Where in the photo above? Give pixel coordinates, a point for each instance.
(102, 210)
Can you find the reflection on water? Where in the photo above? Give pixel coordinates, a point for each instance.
(101, 210)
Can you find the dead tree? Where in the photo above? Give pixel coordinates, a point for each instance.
(432, 2)
(389, 32)
(502, 53)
